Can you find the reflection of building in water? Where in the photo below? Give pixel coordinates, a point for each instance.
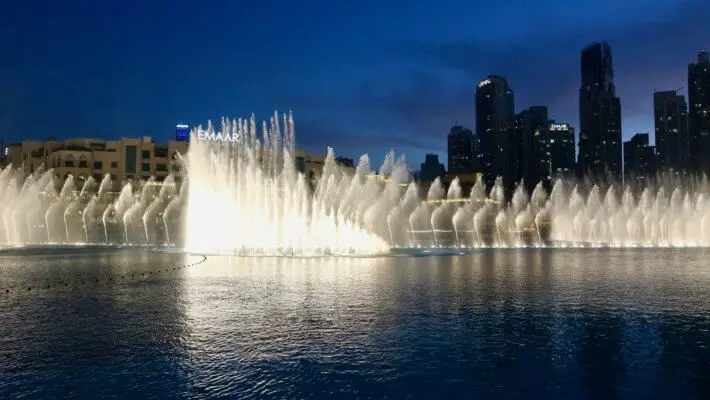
(124, 159)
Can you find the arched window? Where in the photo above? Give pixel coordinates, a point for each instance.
(83, 163)
(69, 161)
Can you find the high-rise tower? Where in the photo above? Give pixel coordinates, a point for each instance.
(699, 112)
(460, 149)
(532, 130)
(671, 123)
(495, 131)
(599, 115)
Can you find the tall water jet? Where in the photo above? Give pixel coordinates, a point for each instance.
(239, 204)
(54, 216)
(74, 220)
(34, 206)
(94, 227)
(399, 217)
(442, 216)
(394, 176)
(133, 217)
(153, 215)
(113, 215)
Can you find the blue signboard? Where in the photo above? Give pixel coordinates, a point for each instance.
(182, 133)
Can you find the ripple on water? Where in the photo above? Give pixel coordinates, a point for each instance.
(574, 323)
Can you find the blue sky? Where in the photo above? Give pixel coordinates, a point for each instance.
(360, 76)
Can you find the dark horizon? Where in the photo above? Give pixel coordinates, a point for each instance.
(354, 79)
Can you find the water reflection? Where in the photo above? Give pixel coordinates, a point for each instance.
(90, 340)
(559, 323)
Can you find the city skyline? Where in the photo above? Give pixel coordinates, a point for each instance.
(359, 90)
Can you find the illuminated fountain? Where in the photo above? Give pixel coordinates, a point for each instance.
(38, 213)
(239, 192)
(246, 197)
(240, 181)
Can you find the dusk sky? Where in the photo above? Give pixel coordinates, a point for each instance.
(361, 76)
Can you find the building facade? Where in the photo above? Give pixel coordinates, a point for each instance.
(431, 168)
(123, 160)
(671, 128)
(496, 131)
(532, 135)
(311, 165)
(599, 115)
(639, 160)
(461, 150)
(560, 151)
(699, 112)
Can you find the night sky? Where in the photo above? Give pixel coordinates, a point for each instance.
(361, 76)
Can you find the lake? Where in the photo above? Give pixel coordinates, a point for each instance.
(110, 322)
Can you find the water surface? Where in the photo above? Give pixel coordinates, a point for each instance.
(548, 323)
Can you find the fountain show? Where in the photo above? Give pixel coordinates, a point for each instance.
(239, 193)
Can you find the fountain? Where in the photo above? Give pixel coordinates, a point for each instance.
(239, 193)
(246, 197)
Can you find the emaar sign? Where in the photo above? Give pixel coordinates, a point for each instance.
(219, 136)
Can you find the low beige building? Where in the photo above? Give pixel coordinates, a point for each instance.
(311, 165)
(124, 159)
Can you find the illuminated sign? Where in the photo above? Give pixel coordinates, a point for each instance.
(484, 82)
(219, 136)
(182, 132)
(559, 127)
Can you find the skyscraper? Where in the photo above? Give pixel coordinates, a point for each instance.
(560, 150)
(599, 115)
(699, 112)
(639, 159)
(495, 130)
(671, 122)
(477, 155)
(460, 149)
(531, 125)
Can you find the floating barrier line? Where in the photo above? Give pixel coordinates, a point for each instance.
(109, 278)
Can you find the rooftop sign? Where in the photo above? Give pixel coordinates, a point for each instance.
(559, 127)
(219, 136)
